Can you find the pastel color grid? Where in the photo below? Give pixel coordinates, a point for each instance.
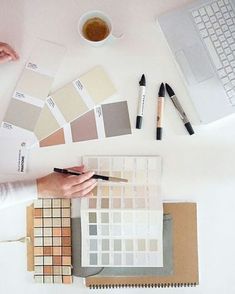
(52, 241)
(122, 223)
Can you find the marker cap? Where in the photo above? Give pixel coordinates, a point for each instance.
(189, 128)
(159, 134)
(139, 120)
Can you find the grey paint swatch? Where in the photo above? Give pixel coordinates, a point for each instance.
(22, 114)
(116, 119)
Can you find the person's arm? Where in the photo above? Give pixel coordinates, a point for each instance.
(53, 185)
(17, 192)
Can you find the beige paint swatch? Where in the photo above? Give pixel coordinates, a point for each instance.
(98, 84)
(47, 123)
(69, 102)
(34, 84)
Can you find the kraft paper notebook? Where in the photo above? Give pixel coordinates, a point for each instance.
(32, 90)
(185, 256)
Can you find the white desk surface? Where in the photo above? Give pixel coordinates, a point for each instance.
(198, 168)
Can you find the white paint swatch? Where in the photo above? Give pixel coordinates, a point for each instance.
(122, 222)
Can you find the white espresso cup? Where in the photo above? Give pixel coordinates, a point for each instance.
(91, 15)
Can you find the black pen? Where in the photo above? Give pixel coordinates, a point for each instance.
(160, 108)
(181, 112)
(104, 178)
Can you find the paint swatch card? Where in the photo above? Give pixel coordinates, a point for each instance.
(52, 241)
(122, 223)
(73, 100)
(107, 120)
(13, 155)
(32, 89)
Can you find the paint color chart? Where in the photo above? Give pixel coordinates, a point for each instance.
(32, 89)
(52, 241)
(107, 120)
(122, 222)
(73, 100)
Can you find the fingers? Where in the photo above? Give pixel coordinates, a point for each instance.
(80, 168)
(83, 186)
(85, 192)
(8, 52)
(5, 58)
(76, 180)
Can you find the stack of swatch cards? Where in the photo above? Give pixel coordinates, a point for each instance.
(32, 90)
(73, 113)
(122, 223)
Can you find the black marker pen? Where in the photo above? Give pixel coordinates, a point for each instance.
(140, 111)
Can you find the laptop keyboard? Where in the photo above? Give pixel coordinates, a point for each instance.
(216, 25)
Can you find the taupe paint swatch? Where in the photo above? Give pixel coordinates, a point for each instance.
(84, 128)
(22, 114)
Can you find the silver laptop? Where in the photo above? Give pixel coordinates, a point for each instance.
(201, 36)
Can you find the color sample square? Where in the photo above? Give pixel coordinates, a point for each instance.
(92, 217)
(93, 259)
(105, 203)
(93, 245)
(105, 230)
(104, 217)
(116, 203)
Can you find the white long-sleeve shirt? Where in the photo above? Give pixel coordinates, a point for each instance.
(17, 192)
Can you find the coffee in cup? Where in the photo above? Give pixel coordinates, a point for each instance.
(95, 29)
